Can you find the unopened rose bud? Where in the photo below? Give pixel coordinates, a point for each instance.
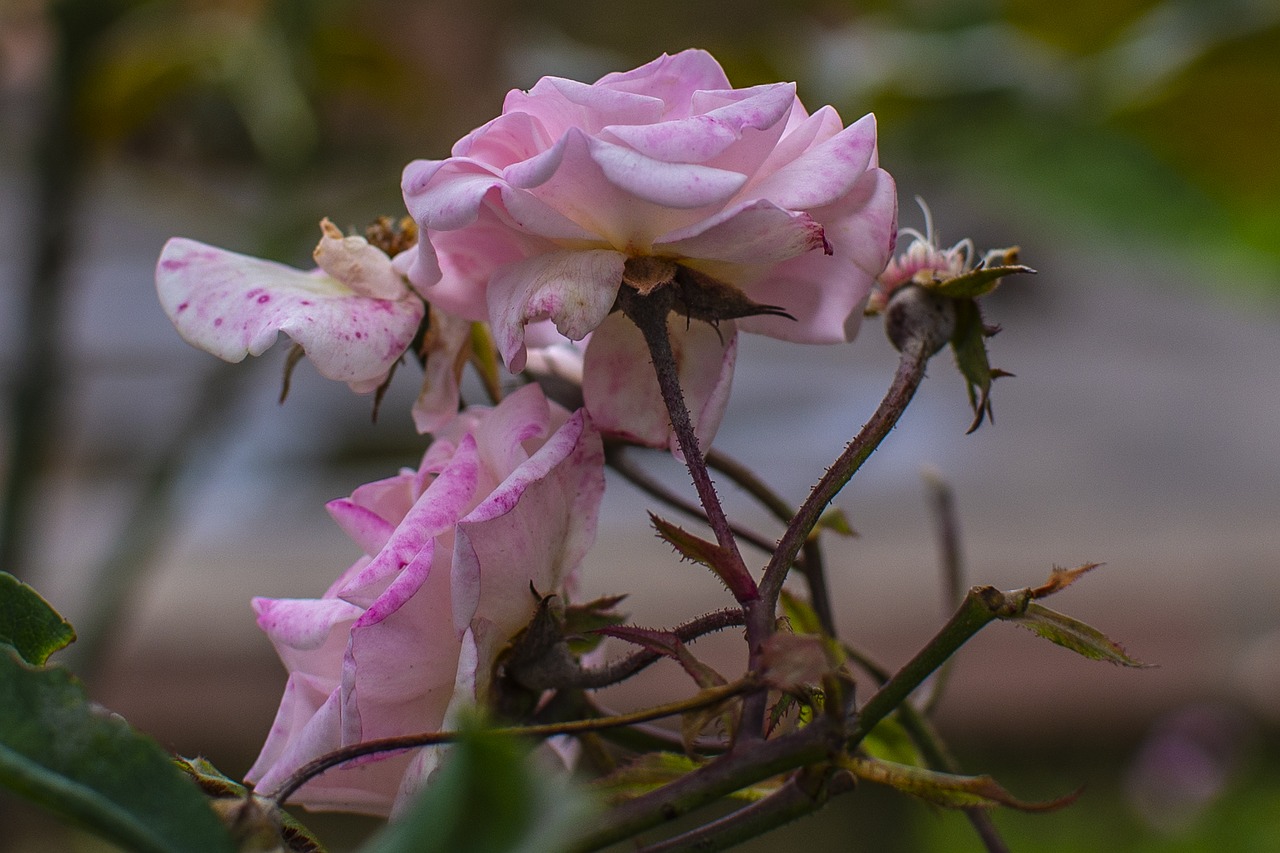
(915, 314)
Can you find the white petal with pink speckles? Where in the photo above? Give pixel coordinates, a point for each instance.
(233, 305)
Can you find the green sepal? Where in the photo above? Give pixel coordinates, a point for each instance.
(975, 283)
(29, 623)
(889, 741)
(484, 356)
(89, 766)
(836, 521)
(968, 342)
(255, 821)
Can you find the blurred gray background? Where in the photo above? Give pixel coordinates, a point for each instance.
(1128, 147)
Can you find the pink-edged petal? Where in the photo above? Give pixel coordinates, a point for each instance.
(575, 290)
(446, 194)
(825, 172)
(507, 139)
(446, 346)
(504, 437)
(756, 233)
(673, 79)
(369, 530)
(559, 104)
(232, 305)
(532, 529)
(308, 633)
(618, 194)
(365, 787)
(621, 390)
(399, 668)
(710, 132)
(825, 293)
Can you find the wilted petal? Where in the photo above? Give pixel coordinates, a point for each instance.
(447, 345)
(232, 305)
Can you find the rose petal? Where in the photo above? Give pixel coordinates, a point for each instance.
(673, 79)
(756, 233)
(825, 292)
(232, 305)
(575, 290)
(621, 389)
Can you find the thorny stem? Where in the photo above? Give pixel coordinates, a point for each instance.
(718, 778)
(980, 606)
(942, 502)
(702, 699)
(617, 458)
(612, 673)
(650, 314)
(800, 795)
(813, 566)
(933, 749)
(906, 380)
(737, 769)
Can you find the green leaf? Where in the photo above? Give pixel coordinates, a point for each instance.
(1073, 634)
(836, 521)
(89, 766)
(725, 563)
(251, 818)
(488, 797)
(29, 624)
(889, 741)
(945, 789)
(656, 769)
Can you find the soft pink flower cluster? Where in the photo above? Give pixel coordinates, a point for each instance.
(505, 498)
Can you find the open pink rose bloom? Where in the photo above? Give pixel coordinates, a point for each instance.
(505, 498)
(536, 214)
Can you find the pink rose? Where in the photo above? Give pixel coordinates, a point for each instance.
(505, 498)
(537, 212)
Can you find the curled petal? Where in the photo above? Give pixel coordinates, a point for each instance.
(575, 290)
(232, 305)
(756, 233)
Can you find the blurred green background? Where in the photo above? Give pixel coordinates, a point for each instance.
(1139, 134)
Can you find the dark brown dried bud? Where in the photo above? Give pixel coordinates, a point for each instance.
(914, 314)
(392, 236)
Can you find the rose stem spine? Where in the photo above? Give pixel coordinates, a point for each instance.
(649, 313)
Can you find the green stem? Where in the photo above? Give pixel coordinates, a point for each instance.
(730, 772)
(702, 699)
(800, 795)
(980, 606)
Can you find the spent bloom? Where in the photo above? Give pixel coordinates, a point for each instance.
(766, 217)
(505, 499)
(354, 315)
